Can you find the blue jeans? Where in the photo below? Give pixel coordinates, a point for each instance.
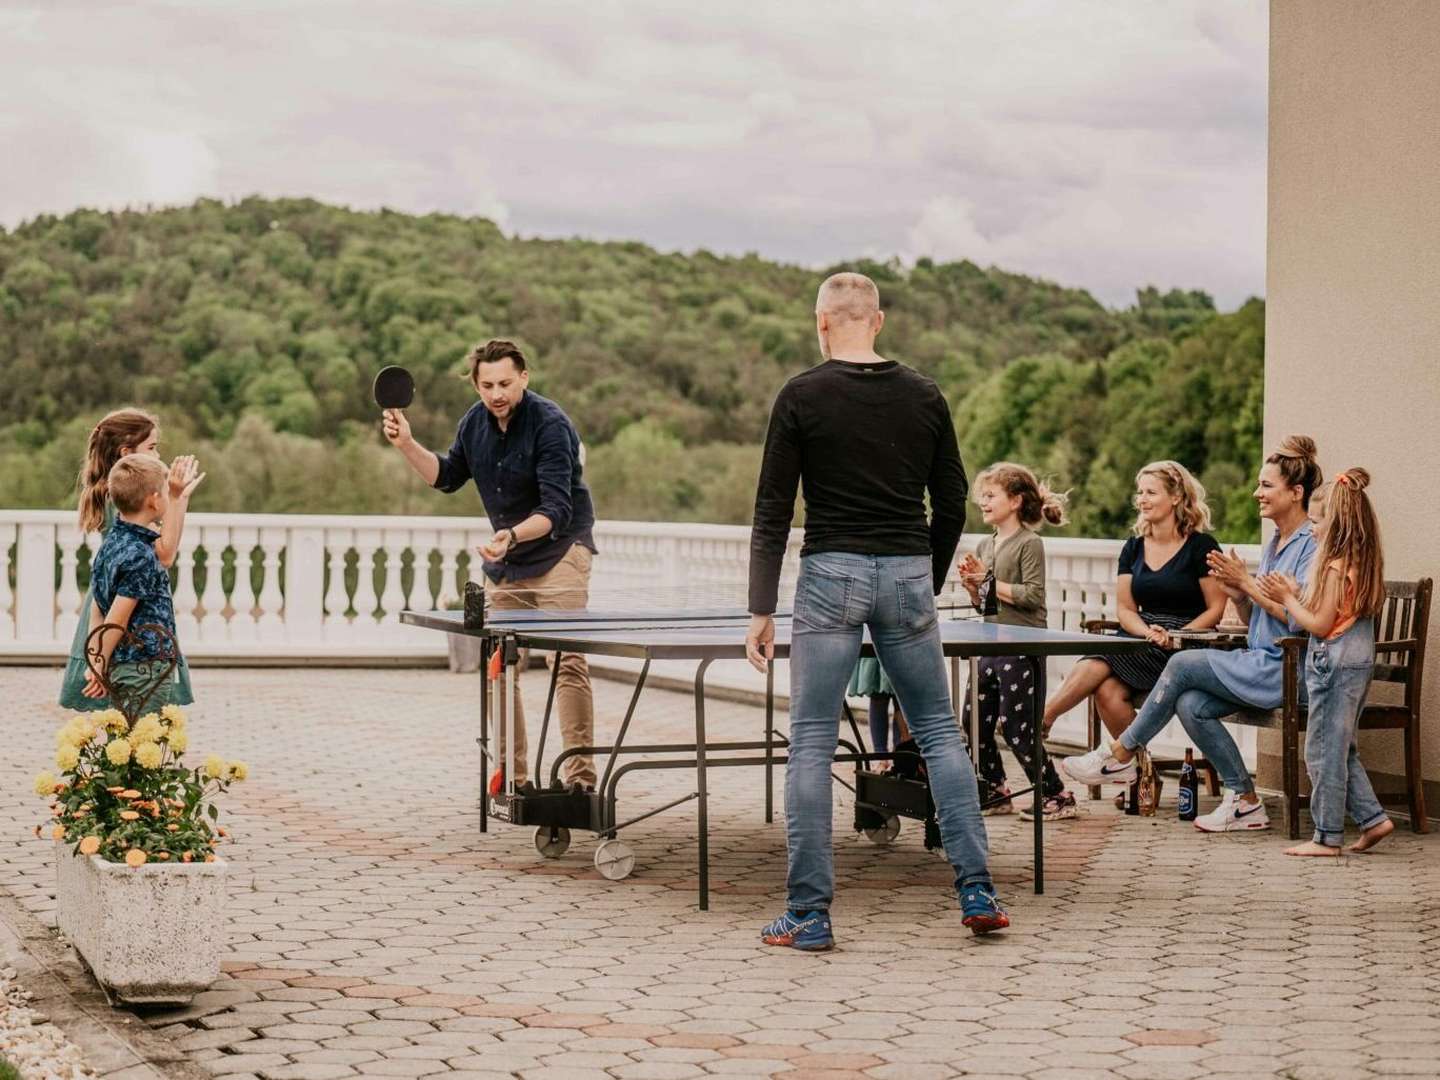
(1337, 677)
(837, 597)
(1190, 689)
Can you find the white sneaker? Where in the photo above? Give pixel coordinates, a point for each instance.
(1099, 767)
(1232, 815)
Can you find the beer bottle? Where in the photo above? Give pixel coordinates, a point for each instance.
(1148, 790)
(1132, 801)
(1189, 788)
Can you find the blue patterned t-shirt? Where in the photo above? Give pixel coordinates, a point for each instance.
(126, 565)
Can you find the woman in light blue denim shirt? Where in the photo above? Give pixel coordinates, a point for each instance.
(1203, 685)
(1346, 593)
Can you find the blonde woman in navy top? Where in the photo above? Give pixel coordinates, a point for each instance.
(1162, 583)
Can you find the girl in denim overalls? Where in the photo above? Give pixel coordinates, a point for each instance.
(1346, 592)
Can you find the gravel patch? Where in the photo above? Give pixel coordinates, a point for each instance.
(30, 1042)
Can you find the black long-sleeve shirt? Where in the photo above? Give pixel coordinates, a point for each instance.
(866, 442)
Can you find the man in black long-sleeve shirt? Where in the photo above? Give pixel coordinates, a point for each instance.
(866, 438)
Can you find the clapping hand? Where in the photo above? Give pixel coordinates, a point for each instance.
(1278, 588)
(1229, 570)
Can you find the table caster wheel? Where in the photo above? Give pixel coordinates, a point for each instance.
(552, 841)
(884, 833)
(614, 860)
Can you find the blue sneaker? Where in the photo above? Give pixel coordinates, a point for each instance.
(810, 932)
(981, 911)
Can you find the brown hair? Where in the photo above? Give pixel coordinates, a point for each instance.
(133, 479)
(490, 352)
(1296, 460)
(1192, 513)
(1351, 536)
(1038, 504)
(123, 429)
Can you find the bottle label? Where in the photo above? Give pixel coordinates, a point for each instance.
(1187, 801)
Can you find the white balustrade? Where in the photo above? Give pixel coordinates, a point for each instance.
(7, 594)
(271, 599)
(69, 596)
(187, 625)
(337, 597)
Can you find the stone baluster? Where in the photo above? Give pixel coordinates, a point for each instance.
(242, 597)
(68, 599)
(271, 624)
(366, 543)
(393, 596)
(7, 597)
(337, 596)
(185, 599)
(451, 544)
(213, 626)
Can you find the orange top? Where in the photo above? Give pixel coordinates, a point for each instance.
(1345, 616)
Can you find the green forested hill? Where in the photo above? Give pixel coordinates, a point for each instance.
(254, 330)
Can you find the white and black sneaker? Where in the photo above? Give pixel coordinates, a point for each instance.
(1099, 767)
(1232, 815)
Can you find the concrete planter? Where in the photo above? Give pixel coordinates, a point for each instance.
(464, 652)
(151, 934)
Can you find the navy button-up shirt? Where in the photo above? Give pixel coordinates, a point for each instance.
(126, 565)
(533, 467)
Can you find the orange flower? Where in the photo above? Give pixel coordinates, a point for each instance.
(59, 833)
(186, 857)
(129, 815)
(209, 858)
(135, 857)
(114, 790)
(129, 793)
(222, 832)
(90, 845)
(172, 827)
(162, 855)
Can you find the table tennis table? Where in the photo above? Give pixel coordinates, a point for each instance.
(705, 636)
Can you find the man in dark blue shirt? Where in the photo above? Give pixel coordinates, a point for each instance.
(523, 453)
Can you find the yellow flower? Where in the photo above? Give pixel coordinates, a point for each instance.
(114, 721)
(118, 751)
(129, 815)
(178, 740)
(66, 758)
(59, 832)
(45, 784)
(173, 716)
(214, 767)
(90, 845)
(147, 729)
(148, 755)
(239, 770)
(135, 857)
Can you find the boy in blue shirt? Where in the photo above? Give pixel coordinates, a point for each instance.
(131, 587)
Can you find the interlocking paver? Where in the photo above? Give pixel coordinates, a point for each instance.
(376, 932)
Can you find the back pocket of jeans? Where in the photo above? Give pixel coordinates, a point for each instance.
(822, 601)
(916, 596)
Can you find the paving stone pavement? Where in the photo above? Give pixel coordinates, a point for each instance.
(376, 932)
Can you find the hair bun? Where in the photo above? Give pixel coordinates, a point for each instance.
(1298, 446)
(1357, 478)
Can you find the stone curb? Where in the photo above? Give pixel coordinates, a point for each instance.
(117, 1044)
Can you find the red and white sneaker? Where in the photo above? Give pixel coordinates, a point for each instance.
(1232, 815)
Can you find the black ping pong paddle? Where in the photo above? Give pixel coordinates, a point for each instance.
(394, 388)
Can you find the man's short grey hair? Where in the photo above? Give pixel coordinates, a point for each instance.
(848, 297)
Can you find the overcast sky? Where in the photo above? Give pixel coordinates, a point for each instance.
(1103, 143)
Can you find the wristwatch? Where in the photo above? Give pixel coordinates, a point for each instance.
(511, 541)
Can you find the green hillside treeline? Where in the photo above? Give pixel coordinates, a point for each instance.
(254, 329)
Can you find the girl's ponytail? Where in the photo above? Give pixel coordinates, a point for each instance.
(1351, 538)
(1037, 502)
(123, 429)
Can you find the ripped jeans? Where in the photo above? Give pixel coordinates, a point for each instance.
(1190, 689)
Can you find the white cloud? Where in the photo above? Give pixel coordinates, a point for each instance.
(1109, 144)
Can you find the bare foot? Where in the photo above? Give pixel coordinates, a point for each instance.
(1310, 847)
(1372, 836)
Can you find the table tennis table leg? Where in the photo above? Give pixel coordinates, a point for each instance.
(974, 732)
(485, 735)
(770, 742)
(701, 793)
(1037, 797)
